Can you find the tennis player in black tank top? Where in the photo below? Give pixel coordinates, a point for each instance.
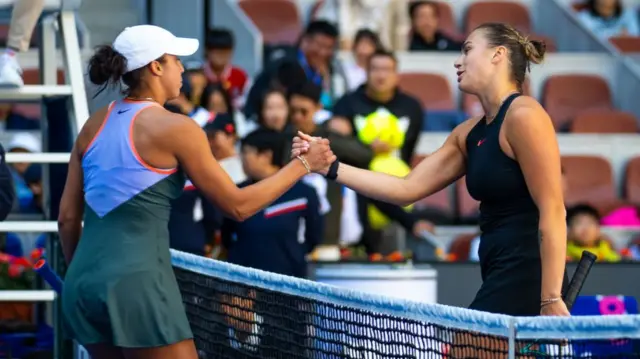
(512, 162)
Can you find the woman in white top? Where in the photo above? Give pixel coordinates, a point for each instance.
(608, 18)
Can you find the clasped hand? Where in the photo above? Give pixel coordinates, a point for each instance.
(315, 150)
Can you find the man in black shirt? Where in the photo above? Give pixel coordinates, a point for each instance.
(425, 35)
(380, 94)
(304, 101)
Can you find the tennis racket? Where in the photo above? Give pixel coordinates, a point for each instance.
(569, 297)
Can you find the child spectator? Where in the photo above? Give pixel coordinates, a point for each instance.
(583, 227)
(218, 69)
(270, 240)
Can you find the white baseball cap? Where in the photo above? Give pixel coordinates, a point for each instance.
(142, 44)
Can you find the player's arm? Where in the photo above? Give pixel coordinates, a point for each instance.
(189, 145)
(72, 206)
(432, 174)
(531, 136)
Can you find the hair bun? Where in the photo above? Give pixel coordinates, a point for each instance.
(106, 65)
(535, 50)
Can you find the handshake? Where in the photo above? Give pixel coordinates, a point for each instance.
(314, 152)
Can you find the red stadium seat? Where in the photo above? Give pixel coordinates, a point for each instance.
(566, 96)
(278, 20)
(626, 44)
(604, 122)
(590, 180)
(632, 181)
(432, 90)
(512, 13)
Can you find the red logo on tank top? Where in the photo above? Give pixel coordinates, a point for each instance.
(481, 141)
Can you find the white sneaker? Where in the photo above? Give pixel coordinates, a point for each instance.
(10, 72)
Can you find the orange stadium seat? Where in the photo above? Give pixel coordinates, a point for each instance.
(447, 22)
(278, 20)
(590, 180)
(566, 96)
(468, 208)
(440, 201)
(461, 246)
(626, 44)
(632, 181)
(432, 90)
(471, 104)
(604, 122)
(512, 13)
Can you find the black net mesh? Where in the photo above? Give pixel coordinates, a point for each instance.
(232, 320)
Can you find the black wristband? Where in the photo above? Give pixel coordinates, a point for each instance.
(332, 174)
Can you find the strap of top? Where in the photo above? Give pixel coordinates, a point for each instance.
(504, 107)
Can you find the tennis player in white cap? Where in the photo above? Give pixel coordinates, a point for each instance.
(120, 296)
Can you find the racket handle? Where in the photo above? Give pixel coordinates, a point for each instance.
(579, 277)
(44, 270)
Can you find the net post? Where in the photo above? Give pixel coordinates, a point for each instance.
(512, 338)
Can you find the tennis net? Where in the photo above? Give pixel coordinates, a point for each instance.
(237, 312)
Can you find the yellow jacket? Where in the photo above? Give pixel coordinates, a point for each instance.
(602, 249)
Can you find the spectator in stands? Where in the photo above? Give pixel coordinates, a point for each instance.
(312, 61)
(425, 35)
(24, 18)
(218, 69)
(216, 100)
(353, 15)
(583, 227)
(273, 112)
(23, 142)
(269, 239)
(303, 103)
(33, 179)
(222, 137)
(10, 120)
(380, 96)
(608, 18)
(182, 104)
(365, 44)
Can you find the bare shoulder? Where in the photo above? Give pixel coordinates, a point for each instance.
(527, 113)
(527, 118)
(91, 128)
(166, 126)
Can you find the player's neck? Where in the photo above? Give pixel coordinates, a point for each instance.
(148, 94)
(493, 99)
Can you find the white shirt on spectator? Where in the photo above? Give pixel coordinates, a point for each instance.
(473, 249)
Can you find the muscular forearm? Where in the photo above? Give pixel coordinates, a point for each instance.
(553, 251)
(380, 186)
(257, 196)
(69, 231)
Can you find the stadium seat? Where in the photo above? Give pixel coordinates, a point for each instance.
(604, 122)
(471, 104)
(278, 20)
(512, 13)
(461, 246)
(626, 44)
(447, 22)
(632, 181)
(440, 201)
(432, 90)
(590, 181)
(566, 96)
(468, 208)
